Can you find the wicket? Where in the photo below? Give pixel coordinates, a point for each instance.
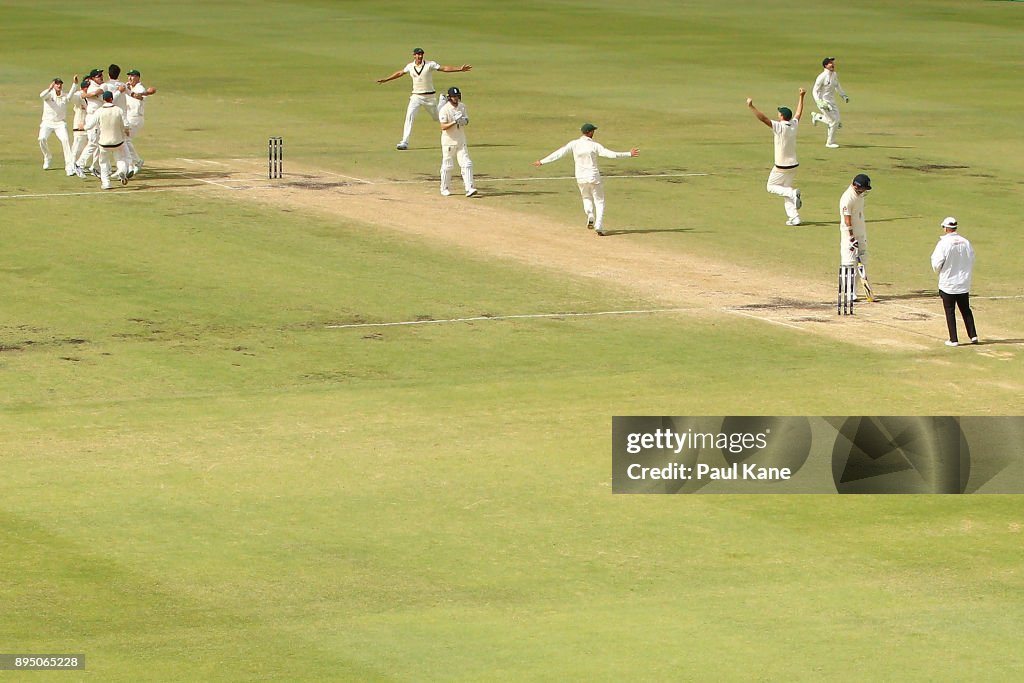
(847, 290)
(275, 157)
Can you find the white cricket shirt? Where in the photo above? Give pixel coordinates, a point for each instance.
(851, 204)
(422, 76)
(448, 114)
(585, 153)
(953, 260)
(785, 142)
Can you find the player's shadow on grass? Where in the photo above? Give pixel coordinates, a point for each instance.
(991, 342)
(888, 220)
(909, 296)
(644, 231)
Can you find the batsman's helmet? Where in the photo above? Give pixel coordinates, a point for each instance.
(861, 180)
(454, 92)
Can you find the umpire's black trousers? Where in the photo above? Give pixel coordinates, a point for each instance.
(950, 302)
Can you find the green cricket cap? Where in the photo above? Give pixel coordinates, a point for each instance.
(587, 128)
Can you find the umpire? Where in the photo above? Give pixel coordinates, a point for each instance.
(953, 260)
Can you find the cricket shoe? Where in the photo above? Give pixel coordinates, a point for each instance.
(79, 171)
(799, 201)
(793, 221)
(132, 170)
(138, 164)
(95, 172)
(974, 340)
(832, 145)
(950, 342)
(471, 192)
(46, 163)
(402, 145)
(599, 232)
(445, 193)
(123, 178)
(815, 117)
(590, 222)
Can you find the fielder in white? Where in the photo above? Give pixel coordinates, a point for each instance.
(454, 119)
(55, 108)
(92, 91)
(585, 153)
(853, 230)
(111, 131)
(783, 175)
(79, 136)
(136, 101)
(825, 88)
(423, 92)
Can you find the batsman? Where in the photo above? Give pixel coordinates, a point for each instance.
(853, 233)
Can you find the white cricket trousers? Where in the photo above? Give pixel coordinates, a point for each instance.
(593, 201)
(119, 154)
(780, 182)
(831, 118)
(134, 127)
(81, 139)
(847, 257)
(449, 154)
(61, 131)
(428, 102)
(88, 155)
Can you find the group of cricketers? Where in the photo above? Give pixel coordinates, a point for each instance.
(107, 117)
(953, 258)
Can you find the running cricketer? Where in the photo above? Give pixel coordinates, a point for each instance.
(585, 152)
(825, 88)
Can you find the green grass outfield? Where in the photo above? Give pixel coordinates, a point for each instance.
(201, 481)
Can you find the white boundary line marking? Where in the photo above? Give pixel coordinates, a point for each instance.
(506, 317)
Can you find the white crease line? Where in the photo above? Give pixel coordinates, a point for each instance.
(97, 192)
(202, 161)
(635, 177)
(766, 320)
(486, 179)
(226, 187)
(506, 317)
(342, 175)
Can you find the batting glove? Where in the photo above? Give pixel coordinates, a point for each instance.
(464, 121)
(846, 99)
(854, 245)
